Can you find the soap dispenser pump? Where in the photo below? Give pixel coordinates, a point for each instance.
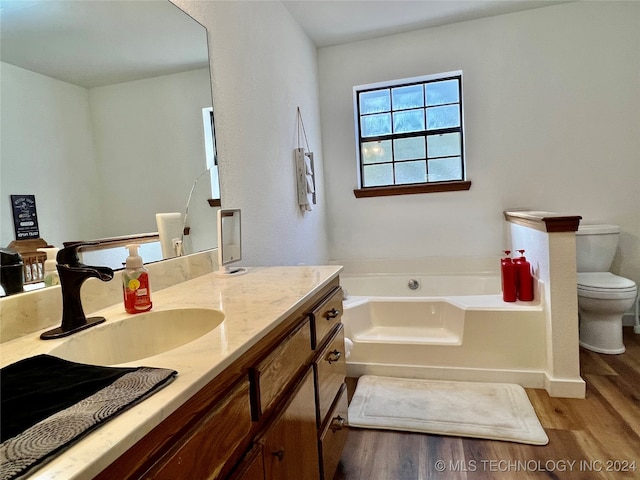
(136, 289)
(51, 276)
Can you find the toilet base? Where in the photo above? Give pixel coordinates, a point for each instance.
(601, 333)
(602, 350)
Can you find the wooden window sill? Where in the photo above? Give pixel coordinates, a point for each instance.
(412, 189)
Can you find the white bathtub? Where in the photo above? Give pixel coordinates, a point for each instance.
(451, 327)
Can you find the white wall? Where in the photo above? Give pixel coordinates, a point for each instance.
(46, 146)
(149, 140)
(263, 67)
(102, 162)
(552, 122)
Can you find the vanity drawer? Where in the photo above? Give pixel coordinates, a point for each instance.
(272, 375)
(325, 316)
(205, 450)
(331, 370)
(334, 436)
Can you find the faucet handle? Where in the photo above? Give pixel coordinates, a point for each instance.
(69, 254)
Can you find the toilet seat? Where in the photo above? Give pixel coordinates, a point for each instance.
(605, 285)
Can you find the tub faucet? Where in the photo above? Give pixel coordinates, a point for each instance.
(72, 274)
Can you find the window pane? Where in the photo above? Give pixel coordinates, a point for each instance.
(445, 169)
(439, 93)
(408, 148)
(408, 121)
(411, 172)
(377, 175)
(374, 125)
(407, 97)
(375, 102)
(443, 117)
(376, 152)
(443, 145)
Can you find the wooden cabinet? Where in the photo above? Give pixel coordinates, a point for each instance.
(334, 435)
(290, 444)
(276, 413)
(330, 369)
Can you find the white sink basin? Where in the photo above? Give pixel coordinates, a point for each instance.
(138, 336)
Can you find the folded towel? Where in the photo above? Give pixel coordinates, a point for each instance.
(48, 403)
(310, 187)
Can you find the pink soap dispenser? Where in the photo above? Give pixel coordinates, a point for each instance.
(135, 287)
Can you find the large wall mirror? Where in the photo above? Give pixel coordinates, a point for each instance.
(104, 118)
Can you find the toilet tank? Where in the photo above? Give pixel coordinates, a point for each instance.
(595, 247)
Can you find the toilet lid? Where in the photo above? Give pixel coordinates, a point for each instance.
(604, 281)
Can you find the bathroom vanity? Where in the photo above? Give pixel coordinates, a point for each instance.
(262, 396)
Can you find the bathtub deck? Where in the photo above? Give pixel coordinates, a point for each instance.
(408, 336)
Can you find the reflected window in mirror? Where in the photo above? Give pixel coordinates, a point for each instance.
(211, 154)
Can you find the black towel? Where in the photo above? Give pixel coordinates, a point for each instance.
(45, 392)
(37, 387)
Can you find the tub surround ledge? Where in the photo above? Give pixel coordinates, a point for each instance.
(544, 221)
(253, 305)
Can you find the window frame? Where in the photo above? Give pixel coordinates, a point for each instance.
(409, 188)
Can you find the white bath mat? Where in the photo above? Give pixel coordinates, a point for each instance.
(495, 411)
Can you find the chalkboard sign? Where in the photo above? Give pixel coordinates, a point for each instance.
(25, 218)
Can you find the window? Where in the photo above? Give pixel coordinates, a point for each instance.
(409, 135)
(211, 155)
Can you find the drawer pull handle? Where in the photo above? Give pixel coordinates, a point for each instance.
(333, 356)
(279, 454)
(331, 314)
(337, 423)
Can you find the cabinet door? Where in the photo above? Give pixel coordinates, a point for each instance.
(290, 446)
(334, 436)
(207, 449)
(252, 467)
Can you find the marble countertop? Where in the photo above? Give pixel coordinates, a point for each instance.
(253, 304)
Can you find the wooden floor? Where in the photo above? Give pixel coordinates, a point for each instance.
(595, 437)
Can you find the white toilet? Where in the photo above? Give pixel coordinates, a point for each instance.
(602, 296)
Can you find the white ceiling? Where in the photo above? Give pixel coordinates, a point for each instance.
(100, 42)
(340, 21)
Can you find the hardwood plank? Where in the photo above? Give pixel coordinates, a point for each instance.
(622, 398)
(587, 437)
(555, 412)
(591, 362)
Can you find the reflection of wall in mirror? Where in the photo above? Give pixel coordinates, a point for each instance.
(229, 236)
(112, 179)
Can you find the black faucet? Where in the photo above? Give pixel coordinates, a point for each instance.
(72, 274)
